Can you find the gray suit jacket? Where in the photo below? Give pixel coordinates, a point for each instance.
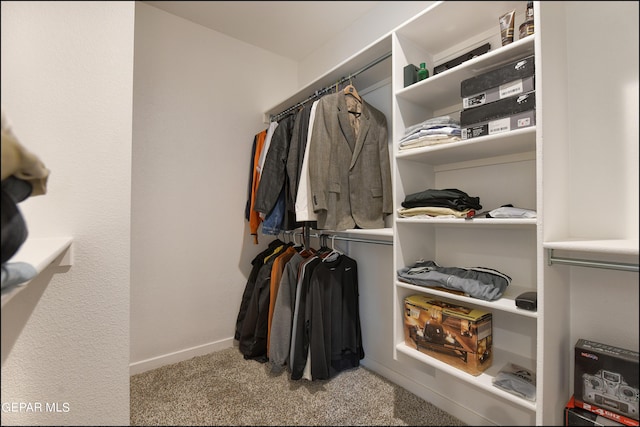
(350, 176)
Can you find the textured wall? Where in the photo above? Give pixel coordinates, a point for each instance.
(67, 77)
(199, 97)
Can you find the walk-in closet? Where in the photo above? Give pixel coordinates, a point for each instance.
(145, 245)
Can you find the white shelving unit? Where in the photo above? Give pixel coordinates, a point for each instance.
(41, 253)
(499, 169)
(550, 167)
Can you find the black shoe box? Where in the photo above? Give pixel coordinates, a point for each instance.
(498, 109)
(519, 69)
(505, 124)
(462, 58)
(497, 93)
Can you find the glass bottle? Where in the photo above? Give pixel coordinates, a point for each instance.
(423, 73)
(529, 14)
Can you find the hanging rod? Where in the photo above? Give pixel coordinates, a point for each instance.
(591, 263)
(321, 92)
(344, 238)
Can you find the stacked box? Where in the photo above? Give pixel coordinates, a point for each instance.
(454, 334)
(579, 417)
(515, 70)
(497, 93)
(499, 100)
(493, 127)
(606, 381)
(499, 109)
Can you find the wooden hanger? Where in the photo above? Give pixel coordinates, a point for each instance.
(351, 90)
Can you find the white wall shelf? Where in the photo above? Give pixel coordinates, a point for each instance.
(382, 232)
(610, 246)
(484, 380)
(507, 303)
(437, 91)
(40, 253)
(508, 143)
(486, 222)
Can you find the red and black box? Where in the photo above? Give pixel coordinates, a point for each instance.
(574, 416)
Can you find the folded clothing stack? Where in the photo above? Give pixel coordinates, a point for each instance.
(477, 282)
(449, 203)
(437, 130)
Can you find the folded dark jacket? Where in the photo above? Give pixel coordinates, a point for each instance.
(14, 227)
(478, 282)
(448, 198)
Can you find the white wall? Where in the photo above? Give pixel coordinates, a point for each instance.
(198, 101)
(603, 171)
(67, 80)
(378, 22)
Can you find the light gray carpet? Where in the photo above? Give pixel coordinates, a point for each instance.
(223, 388)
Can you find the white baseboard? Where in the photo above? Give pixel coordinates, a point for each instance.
(178, 356)
(451, 407)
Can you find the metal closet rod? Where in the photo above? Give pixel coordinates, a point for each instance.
(591, 263)
(337, 237)
(321, 92)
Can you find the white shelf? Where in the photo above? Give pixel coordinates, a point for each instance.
(494, 222)
(447, 23)
(616, 247)
(438, 91)
(382, 232)
(514, 142)
(484, 380)
(40, 253)
(506, 303)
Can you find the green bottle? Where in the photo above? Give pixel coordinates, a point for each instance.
(423, 73)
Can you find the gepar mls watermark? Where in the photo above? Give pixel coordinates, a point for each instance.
(35, 407)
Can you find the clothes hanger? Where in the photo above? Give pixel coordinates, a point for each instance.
(295, 243)
(324, 249)
(351, 90)
(335, 253)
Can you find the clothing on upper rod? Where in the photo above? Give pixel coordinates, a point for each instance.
(319, 93)
(348, 183)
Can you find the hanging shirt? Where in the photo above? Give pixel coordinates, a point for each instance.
(304, 207)
(254, 217)
(299, 140)
(276, 277)
(335, 338)
(267, 142)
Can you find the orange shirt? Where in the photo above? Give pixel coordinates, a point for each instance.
(254, 216)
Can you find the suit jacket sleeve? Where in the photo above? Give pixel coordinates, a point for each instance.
(320, 152)
(274, 170)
